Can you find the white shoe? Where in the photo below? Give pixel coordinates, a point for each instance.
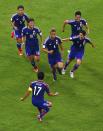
(63, 71)
(71, 74)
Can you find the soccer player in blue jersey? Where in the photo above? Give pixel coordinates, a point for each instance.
(77, 51)
(76, 25)
(30, 38)
(38, 89)
(51, 47)
(18, 23)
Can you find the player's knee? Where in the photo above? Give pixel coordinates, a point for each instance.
(19, 40)
(78, 61)
(60, 65)
(37, 58)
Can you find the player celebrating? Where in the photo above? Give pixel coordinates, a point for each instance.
(31, 42)
(51, 47)
(38, 89)
(77, 51)
(18, 23)
(76, 25)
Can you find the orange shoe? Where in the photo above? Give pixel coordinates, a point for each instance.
(20, 52)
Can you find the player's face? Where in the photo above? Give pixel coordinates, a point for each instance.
(31, 24)
(78, 17)
(53, 35)
(81, 36)
(20, 11)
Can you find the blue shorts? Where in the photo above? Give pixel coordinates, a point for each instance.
(54, 59)
(41, 105)
(18, 33)
(32, 50)
(76, 54)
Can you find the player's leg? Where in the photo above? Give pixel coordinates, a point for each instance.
(53, 67)
(79, 57)
(59, 63)
(19, 42)
(45, 108)
(36, 54)
(71, 57)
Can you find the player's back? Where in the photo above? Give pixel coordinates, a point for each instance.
(38, 90)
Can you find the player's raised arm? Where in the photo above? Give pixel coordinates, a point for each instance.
(26, 94)
(64, 24)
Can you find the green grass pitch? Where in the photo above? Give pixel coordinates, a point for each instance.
(79, 107)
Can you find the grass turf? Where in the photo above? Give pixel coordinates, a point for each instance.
(80, 103)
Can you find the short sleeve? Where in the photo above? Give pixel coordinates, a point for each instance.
(59, 40)
(84, 22)
(39, 32)
(45, 43)
(23, 32)
(70, 22)
(26, 17)
(13, 18)
(73, 38)
(88, 40)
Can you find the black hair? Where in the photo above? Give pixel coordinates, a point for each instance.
(40, 75)
(20, 7)
(78, 13)
(83, 32)
(53, 30)
(30, 19)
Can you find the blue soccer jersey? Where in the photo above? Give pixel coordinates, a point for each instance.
(38, 90)
(52, 44)
(31, 35)
(32, 43)
(19, 20)
(76, 26)
(77, 49)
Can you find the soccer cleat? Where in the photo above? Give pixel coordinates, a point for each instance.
(35, 69)
(39, 118)
(71, 74)
(63, 71)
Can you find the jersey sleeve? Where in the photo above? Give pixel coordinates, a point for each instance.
(23, 32)
(88, 40)
(70, 22)
(30, 86)
(45, 43)
(73, 38)
(26, 17)
(13, 18)
(59, 40)
(84, 22)
(39, 32)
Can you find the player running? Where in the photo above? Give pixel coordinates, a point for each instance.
(77, 51)
(38, 89)
(51, 47)
(76, 25)
(18, 23)
(30, 38)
